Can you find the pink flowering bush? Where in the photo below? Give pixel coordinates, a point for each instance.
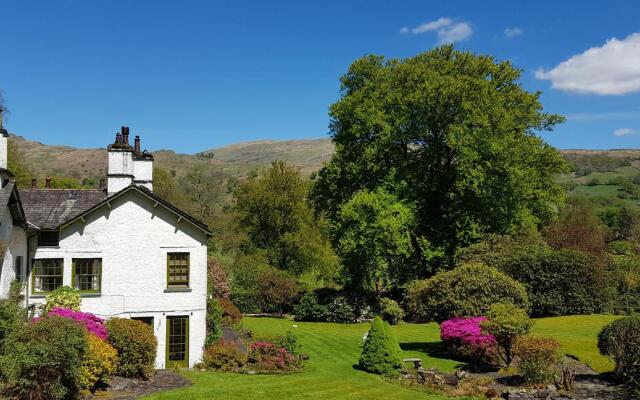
(267, 357)
(92, 323)
(465, 337)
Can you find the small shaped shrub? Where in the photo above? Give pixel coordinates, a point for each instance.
(538, 358)
(381, 353)
(466, 291)
(308, 309)
(99, 362)
(136, 346)
(464, 336)
(506, 323)
(390, 311)
(267, 357)
(223, 356)
(230, 313)
(620, 341)
(63, 297)
(43, 360)
(92, 323)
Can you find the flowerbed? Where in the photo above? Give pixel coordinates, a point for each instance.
(464, 337)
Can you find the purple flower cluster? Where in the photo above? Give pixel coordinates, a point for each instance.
(93, 323)
(466, 332)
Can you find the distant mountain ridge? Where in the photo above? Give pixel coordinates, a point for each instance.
(236, 159)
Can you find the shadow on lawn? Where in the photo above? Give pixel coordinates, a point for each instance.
(433, 350)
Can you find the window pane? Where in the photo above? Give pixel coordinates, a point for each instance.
(47, 274)
(87, 274)
(178, 269)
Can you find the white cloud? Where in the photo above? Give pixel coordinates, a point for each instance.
(513, 32)
(431, 26)
(613, 69)
(447, 30)
(624, 132)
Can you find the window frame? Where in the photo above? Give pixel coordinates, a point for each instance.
(33, 275)
(180, 284)
(73, 275)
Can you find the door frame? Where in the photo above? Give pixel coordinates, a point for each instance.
(176, 363)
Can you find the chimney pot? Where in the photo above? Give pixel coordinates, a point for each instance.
(34, 183)
(137, 144)
(47, 183)
(125, 134)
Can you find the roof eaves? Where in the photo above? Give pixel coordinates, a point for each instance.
(202, 226)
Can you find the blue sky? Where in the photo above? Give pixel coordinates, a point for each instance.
(193, 75)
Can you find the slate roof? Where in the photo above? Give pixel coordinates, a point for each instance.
(9, 201)
(49, 208)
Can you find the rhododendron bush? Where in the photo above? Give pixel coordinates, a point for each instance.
(92, 323)
(466, 337)
(267, 357)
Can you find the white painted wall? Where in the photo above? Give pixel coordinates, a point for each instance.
(13, 242)
(3, 150)
(119, 170)
(133, 239)
(143, 173)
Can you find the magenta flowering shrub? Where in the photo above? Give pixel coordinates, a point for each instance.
(267, 357)
(92, 323)
(465, 337)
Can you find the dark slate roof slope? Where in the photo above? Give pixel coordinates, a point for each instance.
(49, 208)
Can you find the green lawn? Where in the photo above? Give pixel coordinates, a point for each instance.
(334, 349)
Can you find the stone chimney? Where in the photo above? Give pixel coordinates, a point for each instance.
(120, 162)
(4, 138)
(142, 166)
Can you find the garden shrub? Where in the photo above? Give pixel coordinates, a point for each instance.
(466, 291)
(339, 310)
(136, 346)
(391, 311)
(308, 309)
(464, 337)
(63, 297)
(267, 357)
(213, 321)
(558, 282)
(381, 353)
(538, 358)
(506, 323)
(219, 286)
(12, 314)
(230, 313)
(620, 341)
(92, 323)
(223, 356)
(288, 341)
(247, 301)
(43, 360)
(278, 290)
(99, 362)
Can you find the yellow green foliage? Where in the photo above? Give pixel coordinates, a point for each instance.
(99, 362)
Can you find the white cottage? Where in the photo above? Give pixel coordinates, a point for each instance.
(130, 253)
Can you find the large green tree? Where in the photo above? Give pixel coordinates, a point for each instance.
(453, 133)
(374, 239)
(273, 210)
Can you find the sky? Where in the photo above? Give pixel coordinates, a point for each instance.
(193, 75)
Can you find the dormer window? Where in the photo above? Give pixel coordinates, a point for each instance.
(49, 238)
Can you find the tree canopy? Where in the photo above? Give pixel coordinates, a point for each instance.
(272, 209)
(450, 132)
